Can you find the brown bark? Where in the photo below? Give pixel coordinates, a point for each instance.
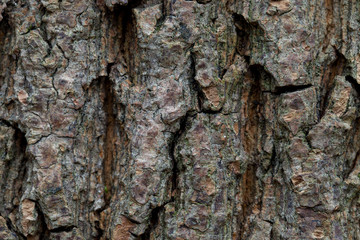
(178, 119)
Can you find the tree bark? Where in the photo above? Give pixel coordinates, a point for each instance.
(179, 119)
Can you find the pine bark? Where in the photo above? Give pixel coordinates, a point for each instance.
(179, 119)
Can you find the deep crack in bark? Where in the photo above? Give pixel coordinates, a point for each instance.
(44, 231)
(336, 68)
(110, 137)
(153, 222)
(248, 189)
(354, 84)
(290, 89)
(176, 169)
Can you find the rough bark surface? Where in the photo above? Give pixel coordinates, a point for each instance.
(179, 119)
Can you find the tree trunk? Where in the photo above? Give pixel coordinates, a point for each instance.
(179, 119)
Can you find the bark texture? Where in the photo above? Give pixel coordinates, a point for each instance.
(179, 119)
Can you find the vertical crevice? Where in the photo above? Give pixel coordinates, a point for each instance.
(272, 234)
(44, 231)
(351, 164)
(21, 145)
(106, 91)
(251, 110)
(110, 136)
(243, 29)
(15, 174)
(4, 34)
(175, 166)
(168, 7)
(252, 105)
(128, 41)
(355, 85)
(120, 34)
(176, 169)
(7, 60)
(195, 86)
(273, 163)
(244, 32)
(124, 45)
(248, 189)
(252, 128)
(15, 169)
(154, 220)
(12, 228)
(165, 12)
(336, 68)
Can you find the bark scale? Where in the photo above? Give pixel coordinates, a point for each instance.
(178, 119)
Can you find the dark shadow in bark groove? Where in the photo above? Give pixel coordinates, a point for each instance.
(244, 32)
(153, 222)
(354, 84)
(110, 136)
(62, 229)
(4, 33)
(155, 213)
(351, 164)
(253, 106)
(195, 86)
(248, 189)
(7, 59)
(124, 20)
(243, 29)
(13, 187)
(123, 43)
(273, 162)
(176, 169)
(121, 18)
(44, 231)
(21, 145)
(336, 68)
(12, 229)
(18, 163)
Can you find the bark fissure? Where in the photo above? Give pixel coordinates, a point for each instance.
(290, 89)
(7, 59)
(243, 31)
(110, 137)
(327, 82)
(13, 229)
(195, 85)
(44, 231)
(354, 84)
(176, 170)
(273, 161)
(153, 222)
(62, 229)
(128, 42)
(164, 119)
(248, 189)
(15, 174)
(252, 108)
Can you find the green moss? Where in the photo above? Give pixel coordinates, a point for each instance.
(218, 80)
(30, 28)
